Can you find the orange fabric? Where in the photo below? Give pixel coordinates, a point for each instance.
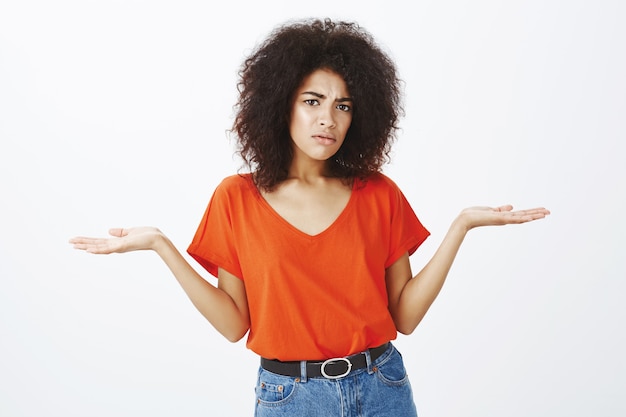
(310, 297)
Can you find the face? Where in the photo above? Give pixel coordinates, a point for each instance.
(321, 114)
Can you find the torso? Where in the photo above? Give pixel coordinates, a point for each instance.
(315, 287)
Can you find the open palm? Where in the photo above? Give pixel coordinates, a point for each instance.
(123, 240)
(499, 216)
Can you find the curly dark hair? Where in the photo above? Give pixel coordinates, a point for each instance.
(276, 68)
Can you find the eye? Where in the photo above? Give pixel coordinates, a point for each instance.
(344, 107)
(312, 102)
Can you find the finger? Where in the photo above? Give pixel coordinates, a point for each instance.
(541, 210)
(80, 246)
(533, 212)
(86, 244)
(100, 248)
(84, 247)
(83, 240)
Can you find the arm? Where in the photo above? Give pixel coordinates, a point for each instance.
(411, 297)
(225, 306)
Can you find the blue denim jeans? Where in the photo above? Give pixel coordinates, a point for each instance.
(382, 389)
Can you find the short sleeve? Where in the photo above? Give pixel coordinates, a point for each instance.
(407, 232)
(214, 244)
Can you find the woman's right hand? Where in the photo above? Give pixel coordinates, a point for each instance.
(123, 240)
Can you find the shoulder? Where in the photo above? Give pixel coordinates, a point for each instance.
(234, 190)
(236, 180)
(236, 183)
(379, 182)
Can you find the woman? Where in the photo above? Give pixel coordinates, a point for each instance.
(311, 247)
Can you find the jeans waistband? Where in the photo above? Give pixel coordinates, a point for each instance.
(331, 368)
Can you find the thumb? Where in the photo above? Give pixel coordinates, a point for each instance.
(506, 207)
(118, 232)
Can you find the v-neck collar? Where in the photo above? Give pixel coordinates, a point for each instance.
(281, 220)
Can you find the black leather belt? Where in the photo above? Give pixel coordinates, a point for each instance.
(331, 368)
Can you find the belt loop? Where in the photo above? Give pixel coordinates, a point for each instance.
(368, 360)
(303, 377)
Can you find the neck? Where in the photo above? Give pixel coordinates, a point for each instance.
(309, 170)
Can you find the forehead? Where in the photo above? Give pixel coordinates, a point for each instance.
(324, 80)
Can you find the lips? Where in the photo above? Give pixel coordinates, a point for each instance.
(325, 138)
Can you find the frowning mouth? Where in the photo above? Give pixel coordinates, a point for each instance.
(325, 138)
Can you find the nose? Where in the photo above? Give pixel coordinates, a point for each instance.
(326, 117)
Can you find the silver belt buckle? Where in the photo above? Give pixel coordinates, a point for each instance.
(326, 362)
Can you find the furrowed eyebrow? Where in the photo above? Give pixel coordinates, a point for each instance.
(312, 93)
(318, 95)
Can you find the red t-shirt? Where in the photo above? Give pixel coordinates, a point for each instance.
(310, 297)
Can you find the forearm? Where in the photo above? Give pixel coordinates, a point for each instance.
(410, 298)
(420, 292)
(213, 303)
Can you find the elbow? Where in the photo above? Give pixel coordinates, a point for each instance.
(405, 332)
(405, 329)
(407, 325)
(235, 336)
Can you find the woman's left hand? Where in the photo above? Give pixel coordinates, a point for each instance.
(489, 216)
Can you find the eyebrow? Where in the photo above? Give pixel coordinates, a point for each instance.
(318, 95)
